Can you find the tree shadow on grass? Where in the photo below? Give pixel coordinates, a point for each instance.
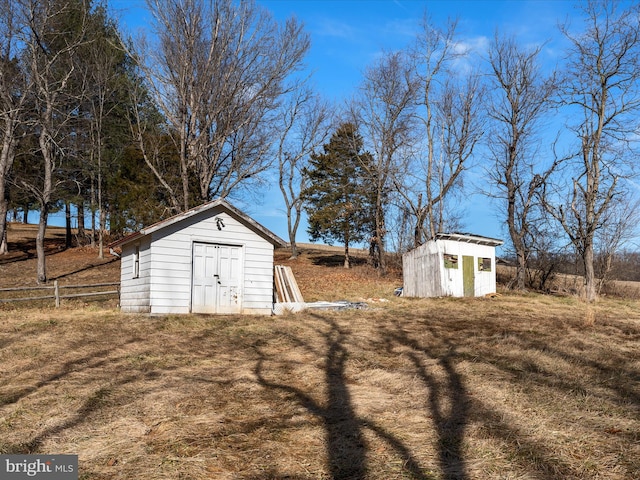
(452, 407)
(26, 249)
(447, 398)
(88, 362)
(337, 260)
(95, 264)
(346, 447)
(93, 403)
(103, 388)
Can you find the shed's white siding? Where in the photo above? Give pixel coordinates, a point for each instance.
(425, 274)
(134, 288)
(422, 273)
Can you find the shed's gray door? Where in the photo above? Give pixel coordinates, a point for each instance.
(217, 278)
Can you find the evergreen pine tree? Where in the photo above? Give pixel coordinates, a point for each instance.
(338, 199)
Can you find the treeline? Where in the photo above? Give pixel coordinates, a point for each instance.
(66, 123)
(544, 270)
(129, 132)
(555, 148)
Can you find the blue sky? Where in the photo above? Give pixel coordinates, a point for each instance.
(347, 35)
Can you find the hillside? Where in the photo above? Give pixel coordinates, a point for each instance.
(318, 270)
(71, 266)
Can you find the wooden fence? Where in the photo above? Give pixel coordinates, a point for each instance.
(57, 292)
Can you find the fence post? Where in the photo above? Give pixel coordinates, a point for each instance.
(56, 292)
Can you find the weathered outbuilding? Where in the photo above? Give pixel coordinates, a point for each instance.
(210, 259)
(452, 264)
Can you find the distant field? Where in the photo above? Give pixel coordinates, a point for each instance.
(512, 387)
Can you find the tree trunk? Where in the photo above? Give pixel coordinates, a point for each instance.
(590, 291)
(40, 251)
(521, 269)
(292, 227)
(45, 201)
(294, 246)
(378, 239)
(518, 244)
(80, 215)
(101, 230)
(67, 224)
(3, 222)
(93, 228)
(347, 261)
(103, 214)
(4, 247)
(93, 214)
(421, 215)
(184, 166)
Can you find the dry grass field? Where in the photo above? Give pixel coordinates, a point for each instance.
(513, 387)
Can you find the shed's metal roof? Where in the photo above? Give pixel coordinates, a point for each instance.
(469, 238)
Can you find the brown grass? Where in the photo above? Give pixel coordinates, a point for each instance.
(322, 277)
(514, 387)
(573, 285)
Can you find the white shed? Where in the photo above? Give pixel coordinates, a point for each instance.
(453, 264)
(210, 259)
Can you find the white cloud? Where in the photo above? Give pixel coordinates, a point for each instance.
(400, 29)
(477, 45)
(330, 27)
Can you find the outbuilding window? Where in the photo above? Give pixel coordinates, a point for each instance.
(450, 261)
(484, 264)
(136, 262)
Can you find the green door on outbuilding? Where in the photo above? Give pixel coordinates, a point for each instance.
(468, 276)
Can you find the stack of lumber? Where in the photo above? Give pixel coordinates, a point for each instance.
(287, 290)
(289, 298)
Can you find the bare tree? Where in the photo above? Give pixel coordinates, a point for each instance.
(217, 74)
(521, 95)
(50, 50)
(305, 125)
(602, 88)
(13, 96)
(434, 51)
(385, 111)
(101, 68)
(460, 130)
(149, 133)
(448, 128)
